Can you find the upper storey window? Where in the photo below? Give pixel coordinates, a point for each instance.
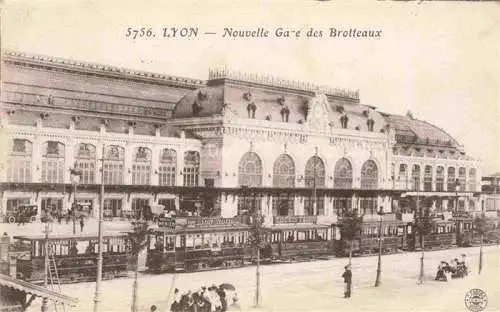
(369, 175)
(284, 172)
(415, 177)
(472, 179)
(19, 161)
(462, 179)
(191, 168)
(342, 176)
(428, 179)
(451, 179)
(53, 162)
(141, 167)
(440, 179)
(114, 159)
(85, 156)
(250, 170)
(315, 172)
(168, 167)
(251, 108)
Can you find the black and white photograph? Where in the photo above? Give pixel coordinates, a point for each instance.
(212, 156)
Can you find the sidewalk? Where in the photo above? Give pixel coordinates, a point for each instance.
(90, 227)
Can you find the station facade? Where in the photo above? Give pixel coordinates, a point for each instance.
(221, 147)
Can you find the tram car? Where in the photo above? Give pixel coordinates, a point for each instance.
(393, 237)
(75, 257)
(297, 242)
(194, 244)
(443, 235)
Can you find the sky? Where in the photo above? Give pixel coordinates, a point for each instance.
(441, 60)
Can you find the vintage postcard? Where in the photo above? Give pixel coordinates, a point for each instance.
(249, 156)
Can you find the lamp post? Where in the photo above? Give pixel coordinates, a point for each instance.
(74, 172)
(380, 238)
(97, 297)
(257, 223)
(47, 228)
(457, 186)
(421, 235)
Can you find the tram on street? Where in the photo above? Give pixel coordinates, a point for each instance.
(22, 214)
(195, 244)
(72, 257)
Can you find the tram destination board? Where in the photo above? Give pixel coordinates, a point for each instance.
(166, 223)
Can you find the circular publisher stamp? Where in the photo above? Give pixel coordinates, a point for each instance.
(476, 300)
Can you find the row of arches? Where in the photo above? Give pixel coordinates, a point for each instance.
(461, 180)
(85, 157)
(250, 172)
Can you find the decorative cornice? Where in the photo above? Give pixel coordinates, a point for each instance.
(225, 73)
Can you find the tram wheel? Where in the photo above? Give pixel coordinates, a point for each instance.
(11, 219)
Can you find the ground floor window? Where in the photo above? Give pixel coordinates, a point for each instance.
(309, 208)
(112, 208)
(461, 205)
(54, 205)
(85, 206)
(439, 205)
(169, 203)
(248, 204)
(13, 203)
(138, 204)
(368, 205)
(283, 205)
(341, 204)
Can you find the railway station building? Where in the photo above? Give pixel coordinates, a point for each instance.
(217, 147)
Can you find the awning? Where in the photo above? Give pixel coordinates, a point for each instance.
(36, 290)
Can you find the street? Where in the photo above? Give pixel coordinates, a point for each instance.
(316, 286)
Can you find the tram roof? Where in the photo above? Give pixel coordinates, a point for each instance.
(33, 237)
(296, 226)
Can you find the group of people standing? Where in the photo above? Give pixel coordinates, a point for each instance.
(211, 299)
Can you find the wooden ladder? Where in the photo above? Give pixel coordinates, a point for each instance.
(53, 278)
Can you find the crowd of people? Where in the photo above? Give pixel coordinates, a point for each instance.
(211, 299)
(453, 269)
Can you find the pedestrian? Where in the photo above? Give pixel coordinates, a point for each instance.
(347, 281)
(82, 223)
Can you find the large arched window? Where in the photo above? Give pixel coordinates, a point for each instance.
(85, 160)
(250, 170)
(284, 172)
(191, 168)
(472, 179)
(451, 179)
(314, 177)
(462, 178)
(249, 174)
(342, 176)
(53, 162)
(415, 177)
(440, 179)
(141, 166)
(19, 162)
(283, 176)
(369, 175)
(168, 167)
(114, 158)
(428, 179)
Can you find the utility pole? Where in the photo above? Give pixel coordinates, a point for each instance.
(314, 205)
(97, 297)
(46, 231)
(258, 232)
(417, 208)
(380, 238)
(75, 173)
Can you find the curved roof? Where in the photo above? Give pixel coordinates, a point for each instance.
(414, 131)
(269, 102)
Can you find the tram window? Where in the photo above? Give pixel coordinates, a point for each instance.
(198, 241)
(189, 241)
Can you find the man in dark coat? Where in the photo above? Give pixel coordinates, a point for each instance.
(347, 281)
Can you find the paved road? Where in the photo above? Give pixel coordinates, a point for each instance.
(317, 286)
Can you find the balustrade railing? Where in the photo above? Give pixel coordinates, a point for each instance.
(295, 219)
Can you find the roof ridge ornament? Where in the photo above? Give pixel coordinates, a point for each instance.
(225, 73)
